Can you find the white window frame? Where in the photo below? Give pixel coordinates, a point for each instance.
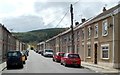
(103, 28)
(78, 48)
(90, 50)
(96, 35)
(78, 35)
(69, 38)
(89, 32)
(83, 34)
(104, 45)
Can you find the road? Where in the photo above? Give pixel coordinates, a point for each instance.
(39, 64)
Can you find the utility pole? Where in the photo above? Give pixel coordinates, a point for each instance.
(72, 35)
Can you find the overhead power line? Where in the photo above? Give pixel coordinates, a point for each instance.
(62, 18)
(75, 2)
(66, 14)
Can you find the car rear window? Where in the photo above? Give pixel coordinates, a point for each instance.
(61, 54)
(73, 56)
(48, 50)
(15, 54)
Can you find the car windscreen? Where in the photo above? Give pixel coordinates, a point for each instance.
(13, 54)
(73, 56)
(48, 50)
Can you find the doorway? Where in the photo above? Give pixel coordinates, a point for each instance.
(95, 53)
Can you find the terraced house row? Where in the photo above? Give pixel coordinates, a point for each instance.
(96, 40)
(8, 42)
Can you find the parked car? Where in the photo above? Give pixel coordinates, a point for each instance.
(57, 56)
(14, 59)
(48, 53)
(71, 59)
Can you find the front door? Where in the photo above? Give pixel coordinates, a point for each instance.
(95, 53)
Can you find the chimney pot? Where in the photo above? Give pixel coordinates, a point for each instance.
(104, 9)
(83, 20)
(76, 23)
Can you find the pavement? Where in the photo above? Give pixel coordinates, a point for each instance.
(2, 67)
(100, 69)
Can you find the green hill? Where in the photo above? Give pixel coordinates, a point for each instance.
(38, 35)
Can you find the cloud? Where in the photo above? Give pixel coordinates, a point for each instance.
(24, 23)
(30, 15)
(43, 6)
(52, 10)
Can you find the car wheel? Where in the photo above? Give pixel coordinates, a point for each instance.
(61, 63)
(21, 66)
(65, 64)
(79, 66)
(8, 67)
(25, 57)
(23, 62)
(57, 61)
(53, 59)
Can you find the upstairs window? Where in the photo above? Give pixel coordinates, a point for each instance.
(82, 34)
(96, 30)
(69, 38)
(104, 28)
(78, 35)
(89, 32)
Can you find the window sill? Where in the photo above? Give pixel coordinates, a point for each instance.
(82, 40)
(88, 38)
(88, 57)
(96, 37)
(104, 35)
(105, 58)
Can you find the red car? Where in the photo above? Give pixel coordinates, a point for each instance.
(57, 56)
(71, 59)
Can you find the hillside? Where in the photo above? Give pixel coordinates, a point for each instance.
(38, 35)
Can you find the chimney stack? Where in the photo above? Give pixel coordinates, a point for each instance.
(76, 23)
(83, 20)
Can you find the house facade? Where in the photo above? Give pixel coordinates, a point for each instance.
(101, 40)
(8, 42)
(96, 40)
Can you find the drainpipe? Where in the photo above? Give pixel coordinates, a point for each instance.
(113, 20)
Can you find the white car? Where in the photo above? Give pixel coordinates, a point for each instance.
(48, 53)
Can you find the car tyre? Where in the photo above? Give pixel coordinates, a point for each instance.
(21, 66)
(25, 57)
(23, 62)
(8, 67)
(65, 64)
(54, 60)
(61, 63)
(79, 66)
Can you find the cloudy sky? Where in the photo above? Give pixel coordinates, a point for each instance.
(27, 15)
